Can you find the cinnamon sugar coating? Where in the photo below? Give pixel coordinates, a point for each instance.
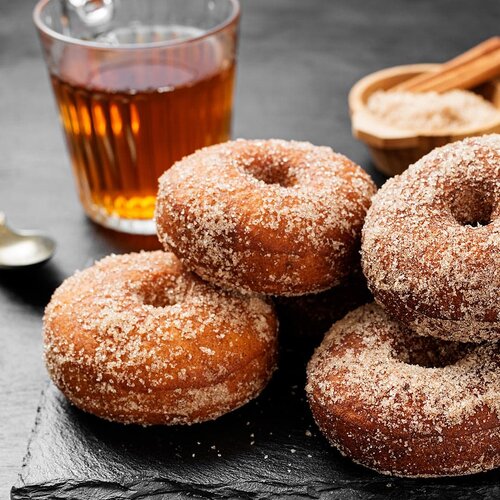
(431, 243)
(406, 406)
(275, 217)
(138, 339)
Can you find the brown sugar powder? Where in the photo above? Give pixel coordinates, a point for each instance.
(432, 112)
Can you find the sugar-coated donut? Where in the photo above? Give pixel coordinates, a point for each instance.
(431, 243)
(138, 339)
(406, 406)
(272, 217)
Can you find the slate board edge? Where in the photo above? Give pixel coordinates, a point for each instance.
(19, 486)
(151, 488)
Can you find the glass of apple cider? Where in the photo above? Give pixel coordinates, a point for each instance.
(139, 84)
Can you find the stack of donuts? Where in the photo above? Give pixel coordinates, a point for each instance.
(187, 334)
(410, 385)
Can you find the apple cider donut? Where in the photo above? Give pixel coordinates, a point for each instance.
(272, 217)
(431, 243)
(406, 406)
(138, 339)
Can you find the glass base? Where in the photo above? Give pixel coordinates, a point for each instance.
(145, 227)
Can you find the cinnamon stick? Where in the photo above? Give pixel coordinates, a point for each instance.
(476, 66)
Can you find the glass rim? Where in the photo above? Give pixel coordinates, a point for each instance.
(42, 27)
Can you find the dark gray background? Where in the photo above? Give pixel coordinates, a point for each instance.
(298, 59)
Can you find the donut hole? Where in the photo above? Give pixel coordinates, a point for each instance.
(471, 207)
(272, 171)
(163, 291)
(430, 352)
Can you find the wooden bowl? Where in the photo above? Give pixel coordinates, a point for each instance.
(394, 150)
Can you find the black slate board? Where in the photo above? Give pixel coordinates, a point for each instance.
(268, 449)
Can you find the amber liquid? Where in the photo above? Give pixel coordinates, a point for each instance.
(121, 141)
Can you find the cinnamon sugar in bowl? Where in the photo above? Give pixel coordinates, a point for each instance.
(401, 127)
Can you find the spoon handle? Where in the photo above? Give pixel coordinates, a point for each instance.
(2, 219)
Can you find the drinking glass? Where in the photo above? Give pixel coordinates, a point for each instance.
(139, 84)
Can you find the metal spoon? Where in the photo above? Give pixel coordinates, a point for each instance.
(23, 248)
